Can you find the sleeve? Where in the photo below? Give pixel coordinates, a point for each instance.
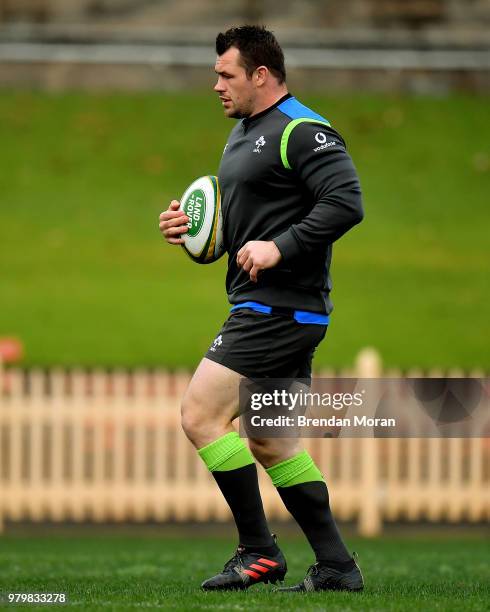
(317, 155)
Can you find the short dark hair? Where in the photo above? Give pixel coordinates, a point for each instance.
(257, 46)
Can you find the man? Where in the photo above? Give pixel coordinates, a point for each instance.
(289, 190)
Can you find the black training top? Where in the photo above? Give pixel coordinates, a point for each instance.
(285, 176)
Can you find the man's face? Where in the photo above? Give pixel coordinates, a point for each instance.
(235, 89)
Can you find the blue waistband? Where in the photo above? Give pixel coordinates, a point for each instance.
(300, 316)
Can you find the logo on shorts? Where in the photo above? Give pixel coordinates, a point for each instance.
(217, 343)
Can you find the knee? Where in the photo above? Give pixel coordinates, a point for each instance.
(269, 452)
(264, 452)
(200, 424)
(192, 419)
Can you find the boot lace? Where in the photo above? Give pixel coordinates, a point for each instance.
(235, 560)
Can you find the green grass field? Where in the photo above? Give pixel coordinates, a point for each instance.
(85, 277)
(150, 572)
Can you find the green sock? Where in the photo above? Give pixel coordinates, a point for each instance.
(235, 472)
(304, 493)
(295, 470)
(226, 453)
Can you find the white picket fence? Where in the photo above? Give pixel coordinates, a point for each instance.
(77, 445)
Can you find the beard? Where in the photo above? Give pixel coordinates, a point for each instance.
(236, 114)
(241, 112)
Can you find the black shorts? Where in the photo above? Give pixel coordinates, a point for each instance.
(258, 345)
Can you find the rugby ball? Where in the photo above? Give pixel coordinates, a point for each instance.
(201, 202)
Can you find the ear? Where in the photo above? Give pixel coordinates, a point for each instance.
(260, 76)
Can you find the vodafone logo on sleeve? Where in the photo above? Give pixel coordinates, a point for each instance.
(321, 138)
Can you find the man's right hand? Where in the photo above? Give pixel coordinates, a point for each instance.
(173, 223)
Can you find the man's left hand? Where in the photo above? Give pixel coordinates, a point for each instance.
(258, 255)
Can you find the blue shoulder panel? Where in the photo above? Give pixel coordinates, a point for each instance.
(295, 110)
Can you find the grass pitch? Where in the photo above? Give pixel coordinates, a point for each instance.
(150, 572)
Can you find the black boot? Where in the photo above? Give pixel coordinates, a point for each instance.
(320, 577)
(247, 568)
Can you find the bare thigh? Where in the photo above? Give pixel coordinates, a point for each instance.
(210, 403)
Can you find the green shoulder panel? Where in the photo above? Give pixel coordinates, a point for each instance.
(287, 132)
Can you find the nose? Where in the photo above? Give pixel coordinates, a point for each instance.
(219, 85)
